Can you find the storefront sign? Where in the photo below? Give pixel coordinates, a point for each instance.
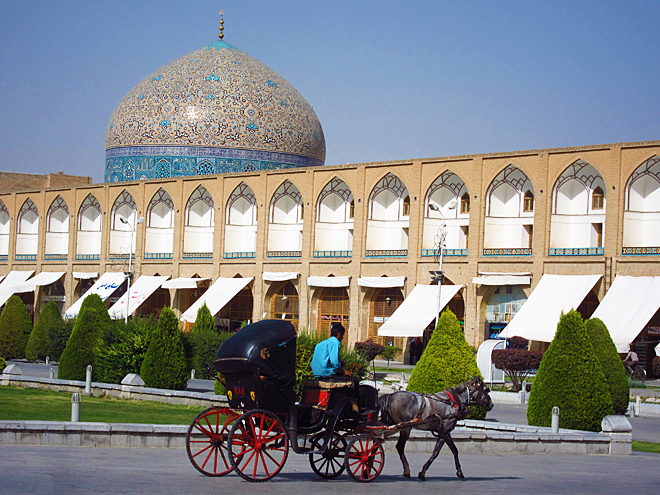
(55, 298)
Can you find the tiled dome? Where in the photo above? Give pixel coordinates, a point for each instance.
(214, 110)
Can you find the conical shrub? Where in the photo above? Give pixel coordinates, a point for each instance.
(92, 323)
(15, 328)
(570, 378)
(164, 365)
(38, 346)
(204, 320)
(610, 364)
(447, 359)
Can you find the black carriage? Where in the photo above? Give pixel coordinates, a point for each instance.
(263, 421)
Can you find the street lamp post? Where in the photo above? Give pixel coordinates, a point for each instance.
(442, 235)
(130, 261)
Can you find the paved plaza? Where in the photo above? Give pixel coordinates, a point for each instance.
(78, 470)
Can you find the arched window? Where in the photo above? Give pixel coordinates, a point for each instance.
(351, 213)
(465, 203)
(529, 201)
(199, 225)
(28, 231)
(88, 240)
(159, 241)
(286, 222)
(598, 199)
(641, 217)
(120, 232)
(57, 230)
(4, 231)
(335, 209)
(447, 203)
(406, 206)
(241, 227)
(388, 222)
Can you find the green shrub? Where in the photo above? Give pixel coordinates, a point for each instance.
(610, 364)
(570, 378)
(164, 365)
(205, 345)
(389, 352)
(38, 346)
(79, 351)
(304, 353)
(204, 321)
(3, 364)
(15, 328)
(58, 336)
(634, 383)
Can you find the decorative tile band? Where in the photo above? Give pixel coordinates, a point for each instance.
(26, 257)
(4, 257)
(240, 254)
(640, 251)
(58, 257)
(119, 256)
(445, 252)
(199, 256)
(383, 253)
(507, 252)
(333, 254)
(589, 251)
(92, 257)
(283, 254)
(157, 256)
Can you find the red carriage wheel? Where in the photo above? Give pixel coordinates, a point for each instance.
(330, 463)
(206, 441)
(258, 445)
(365, 458)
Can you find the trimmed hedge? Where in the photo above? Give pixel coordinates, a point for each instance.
(164, 364)
(58, 336)
(205, 345)
(570, 378)
(15, 328)
(38, 346)
(610, 364)
(79, 351)
(446, 362)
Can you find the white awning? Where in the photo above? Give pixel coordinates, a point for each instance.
(15, 277)
(417, 310)
(183, 283)
(39, 280)
(492, 278)
(627, 307)
(104, 287)
(328, 281)
(539, 316)
(279, 276)
(381, 282)
(85, 275)
(140, 292)
(216, 297)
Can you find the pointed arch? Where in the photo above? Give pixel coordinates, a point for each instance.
(159, 239)
(57, 230)
(286, 205)
(120, 232)
(449, 193)
(27, 235)
(88, 238)
(241, 225)
(4, 231)
(641, 216)
(285, 222)
(387, 223)
(334, 220)
(387, 198)
(199, 225)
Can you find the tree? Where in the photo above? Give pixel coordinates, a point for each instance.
(3, 364)
(447, 359)
(610, 364)
(204, 320)
(570, 378)
(517, 364)
(388, 353)
(58, 336)
(38, 346)
(164, 365)
(15, 328)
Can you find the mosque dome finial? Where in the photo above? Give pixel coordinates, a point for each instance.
(222, 24)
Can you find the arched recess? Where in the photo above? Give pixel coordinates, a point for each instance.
(333, 306)
(641, 217)
(445, 191)
(285, 229)
(27, 235)
(335, 209)
(88, 239)
(241, 223)
(199, 225)
(154, 305)
(588, 305)
(238, 311)
(578, 211)
(388, 221)
(120, 232)
(383, 304)
(57, 230)
(502, 304)
(284, 303)
(4, 231)
(509, 222)
(159, 239)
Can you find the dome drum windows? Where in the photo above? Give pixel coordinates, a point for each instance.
(27, 236)
(241, 225)
(57, 230)
(334, 224)
(285, 229)
(387, 225)
(199, 225)
(578, 212)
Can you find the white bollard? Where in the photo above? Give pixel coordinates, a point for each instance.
(88, 380)
(554, 428)
(47, 360)
(51, 373)
(638, 405)
(75, 407)
(192, 374)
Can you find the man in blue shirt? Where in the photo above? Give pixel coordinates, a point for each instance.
(325, 361)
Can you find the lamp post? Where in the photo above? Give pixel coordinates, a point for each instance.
(130, 261)
(442, 235)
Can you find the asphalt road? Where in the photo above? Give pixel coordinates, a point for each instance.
(80, 470)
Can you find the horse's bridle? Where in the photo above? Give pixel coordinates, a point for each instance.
(480, 396)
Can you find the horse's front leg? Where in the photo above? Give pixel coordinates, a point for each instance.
(436, 451)
(401, 449)
(454, 450)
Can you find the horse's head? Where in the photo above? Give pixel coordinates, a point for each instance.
(479, 393)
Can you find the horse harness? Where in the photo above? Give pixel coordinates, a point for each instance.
(446, 397)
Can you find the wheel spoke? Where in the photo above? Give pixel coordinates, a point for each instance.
(209, 446)
(263, 461)
(207, 458)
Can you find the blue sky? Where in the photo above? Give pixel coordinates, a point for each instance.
(388, 80)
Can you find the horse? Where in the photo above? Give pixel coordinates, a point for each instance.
(437, 413)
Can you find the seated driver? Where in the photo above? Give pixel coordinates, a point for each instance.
(631, 359)
(325, 362)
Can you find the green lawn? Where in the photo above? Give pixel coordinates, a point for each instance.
(45, 405)
(640, 446)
